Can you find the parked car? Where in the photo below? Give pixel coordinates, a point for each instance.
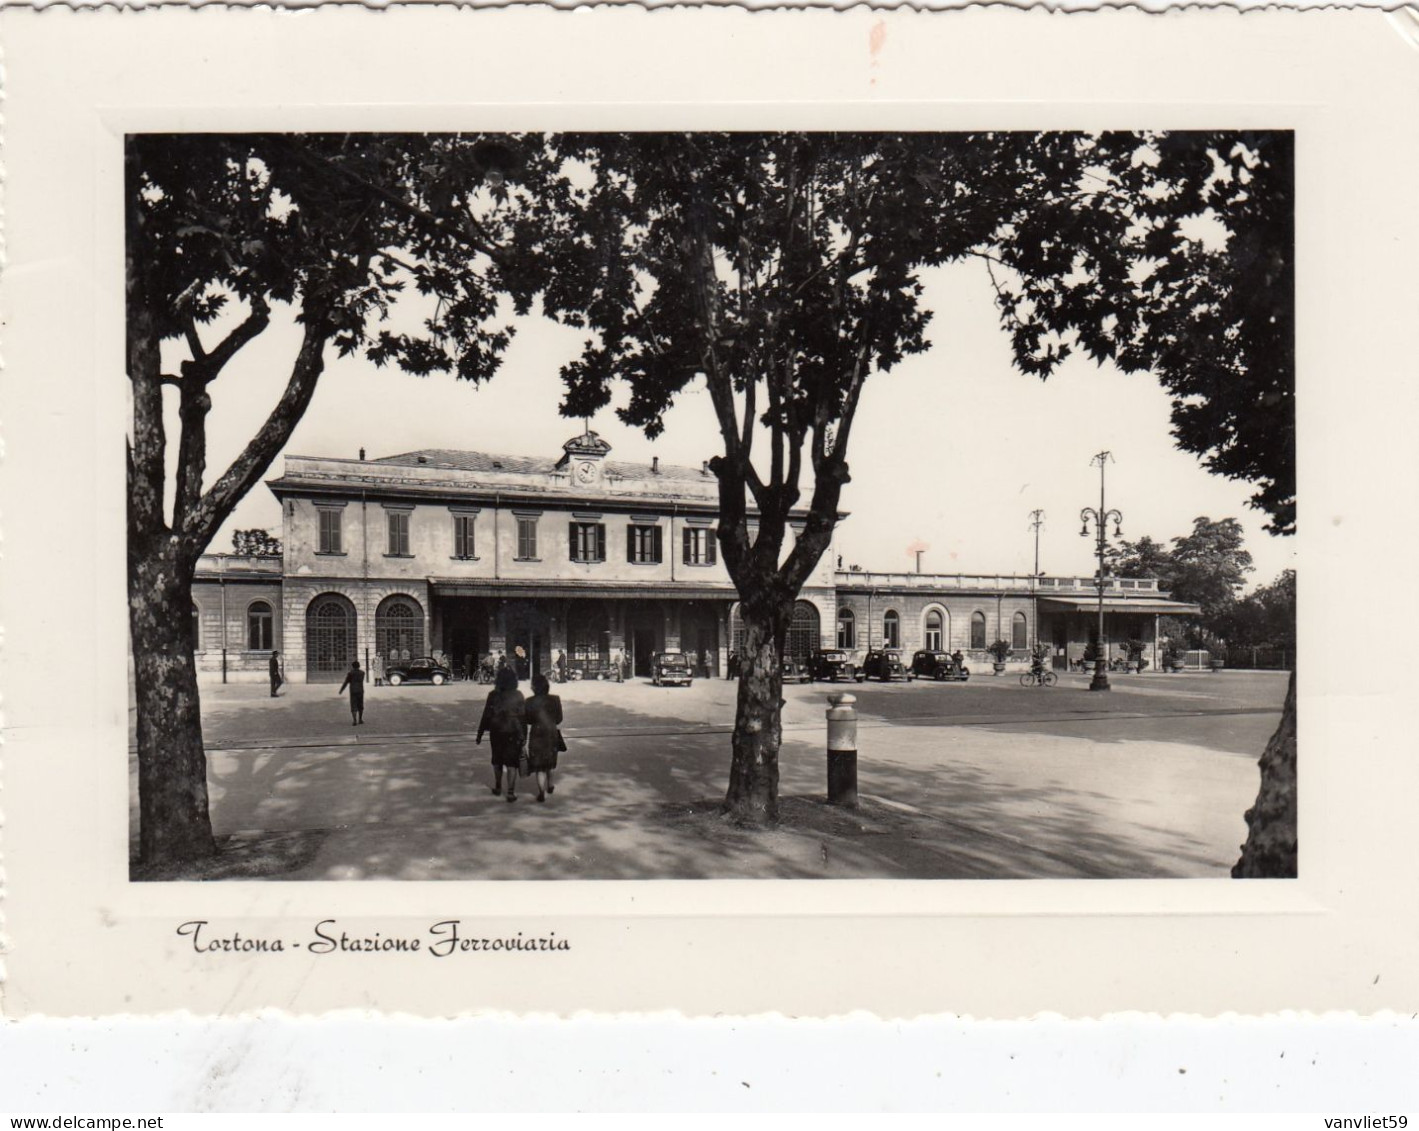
(834, 664)
(886, 665)
(939, 665)
(671, 667)
(796, 671)
(424, 669)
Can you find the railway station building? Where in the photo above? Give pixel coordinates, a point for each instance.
(472, 554)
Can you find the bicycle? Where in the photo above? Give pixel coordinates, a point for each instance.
(1042, 678)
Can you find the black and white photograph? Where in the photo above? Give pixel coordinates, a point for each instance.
(710, 514)
(703, 505)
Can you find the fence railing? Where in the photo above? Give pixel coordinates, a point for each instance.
(1261, 659)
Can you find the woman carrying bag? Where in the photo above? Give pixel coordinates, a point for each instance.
(544, 739)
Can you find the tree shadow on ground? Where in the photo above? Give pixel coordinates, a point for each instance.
(644, 804)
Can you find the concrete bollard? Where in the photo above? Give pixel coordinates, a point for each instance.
(842, 750)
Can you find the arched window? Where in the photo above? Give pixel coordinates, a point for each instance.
(399, 628)
(891, 629)
(259, 622)
(935, 639)
(329, 637)
(978, 630)
(194, 629)
(847, 629)
(1019, 632)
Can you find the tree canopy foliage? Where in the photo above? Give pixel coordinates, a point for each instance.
(256, 543)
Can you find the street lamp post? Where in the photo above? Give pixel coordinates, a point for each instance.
(1101, 518)
(1037, 518)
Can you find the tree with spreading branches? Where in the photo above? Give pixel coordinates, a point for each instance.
(341, 232)
(782, 271)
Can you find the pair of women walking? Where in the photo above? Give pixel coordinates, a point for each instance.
(516, 725)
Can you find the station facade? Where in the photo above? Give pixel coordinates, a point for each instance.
(470, 554)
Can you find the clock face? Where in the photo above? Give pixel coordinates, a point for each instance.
(585, 471)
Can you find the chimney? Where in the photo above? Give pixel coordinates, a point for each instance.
(362, 454)
(655, 465)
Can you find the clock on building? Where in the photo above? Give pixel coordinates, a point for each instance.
(586, 472)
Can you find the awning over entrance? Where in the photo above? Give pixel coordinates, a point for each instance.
(1151, 606)
(532, 590)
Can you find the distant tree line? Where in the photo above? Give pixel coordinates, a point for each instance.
(1209, 566)
(255, 543)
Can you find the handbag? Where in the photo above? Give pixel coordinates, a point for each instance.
(524, 764)
(561, 742)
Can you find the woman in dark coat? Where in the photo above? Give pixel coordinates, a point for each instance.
(503, 721)
(544, 716)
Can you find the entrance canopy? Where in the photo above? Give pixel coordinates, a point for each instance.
(1151, 606)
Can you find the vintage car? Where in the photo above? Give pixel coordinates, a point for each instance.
(671, 667)
(939, 665)
(422, 669)
(833, 664)
(796, 671)
(886, 665)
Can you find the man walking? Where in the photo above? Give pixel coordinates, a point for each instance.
(355, 681)
(278, 676)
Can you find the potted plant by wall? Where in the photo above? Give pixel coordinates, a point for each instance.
(999, 652)
(1135, 649)
(1172, 658)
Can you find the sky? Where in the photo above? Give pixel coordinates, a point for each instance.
(952, 449)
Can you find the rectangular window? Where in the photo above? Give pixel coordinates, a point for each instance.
(463, 536)
(643, 544)
(330, 532)
(398, 533)
(526, 538)
(588, 542)
(699, 545)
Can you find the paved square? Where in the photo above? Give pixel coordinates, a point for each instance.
(982, 780)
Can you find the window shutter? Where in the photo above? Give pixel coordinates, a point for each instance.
(630, 543)
(600, 542)
(574, 549)
(688, 540)
(709, 547)
(659, 547)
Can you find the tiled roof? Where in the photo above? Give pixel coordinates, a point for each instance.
(525, 465)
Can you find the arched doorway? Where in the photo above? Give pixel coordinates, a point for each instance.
(399, 628)
(804, 631)
(329, 638)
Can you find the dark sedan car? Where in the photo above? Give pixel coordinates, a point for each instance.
(796, 671)
(939, 665)
(834, 664)
(671, 667)
(886, 665)
(424, 669)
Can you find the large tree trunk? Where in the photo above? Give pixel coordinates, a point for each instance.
(1270, 850)
(174, 827)
(758, 728)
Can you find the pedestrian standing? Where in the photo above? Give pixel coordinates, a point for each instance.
(355, 681)
(505, 723)
(377, 669)
(278, 674)
(544, 736)
(561, 667)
